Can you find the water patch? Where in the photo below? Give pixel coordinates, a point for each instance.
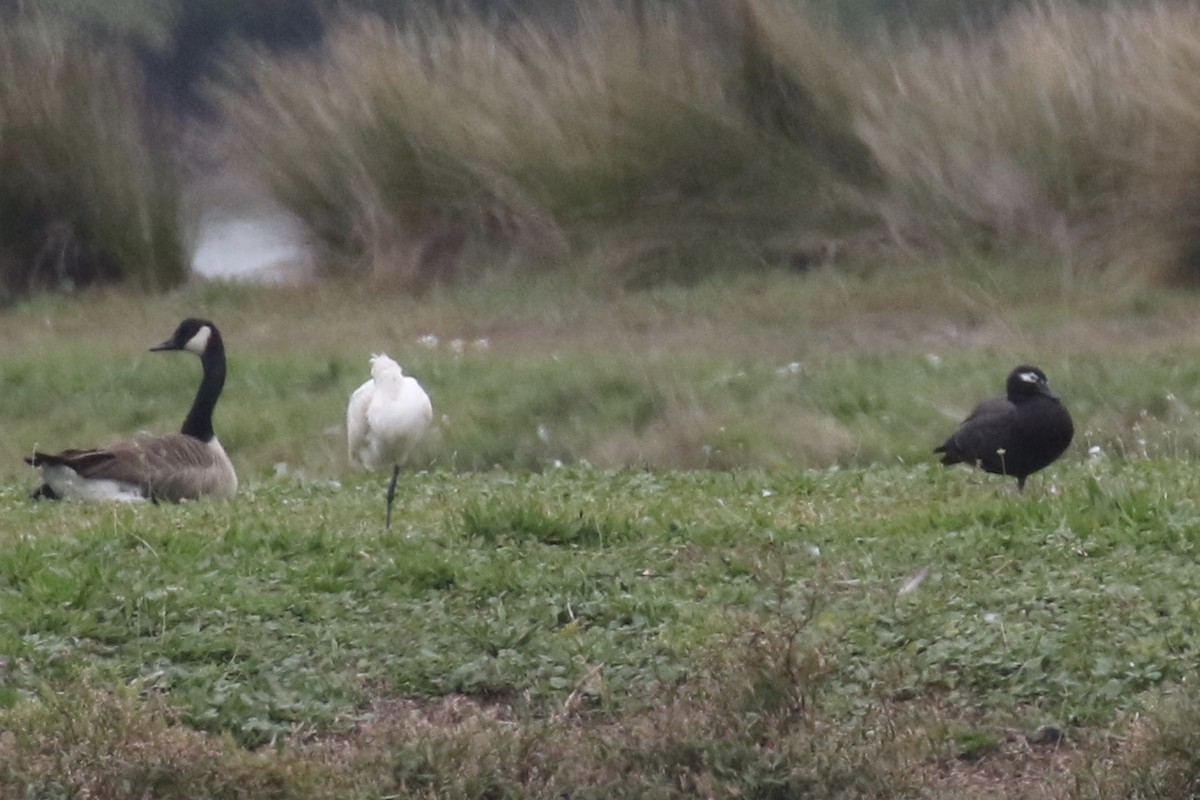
(263, 248)
(238, 233)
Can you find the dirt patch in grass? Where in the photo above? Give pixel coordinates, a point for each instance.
(1012, 763)
(919, 749)
(687, 740)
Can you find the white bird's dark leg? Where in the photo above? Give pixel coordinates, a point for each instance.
(391, 494)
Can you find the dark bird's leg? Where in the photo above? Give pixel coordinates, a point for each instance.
(1021, 484)
(391, 495)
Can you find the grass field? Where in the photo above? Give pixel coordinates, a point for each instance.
(680, 542)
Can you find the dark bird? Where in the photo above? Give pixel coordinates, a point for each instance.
(1015, 435)
(174, 467)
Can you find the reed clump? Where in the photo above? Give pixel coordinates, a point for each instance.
(638, 143)
(1013, 140)
(660, 141)
(84, 195)
(630, 136)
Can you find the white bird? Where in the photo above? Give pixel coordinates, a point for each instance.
(176, 466)
(386, 418)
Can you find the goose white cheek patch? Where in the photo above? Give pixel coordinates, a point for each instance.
(197, 343)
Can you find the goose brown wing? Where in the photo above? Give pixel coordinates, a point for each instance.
(170, 467)
(82, 461)
(177, 466)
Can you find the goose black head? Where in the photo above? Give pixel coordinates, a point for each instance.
(192, 335)
(1026, 382)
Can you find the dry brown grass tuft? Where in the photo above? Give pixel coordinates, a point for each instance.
(686, 435)
(384, 146)
(94, 742)
(711, 736)
(1015, 139)
(1067, 132)
(1154, 754)
(1153, 233)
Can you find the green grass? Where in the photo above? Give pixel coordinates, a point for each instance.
(831, 613)
(290, 612)
(770, 371)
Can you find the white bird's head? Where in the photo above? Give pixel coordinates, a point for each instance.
(384, 369)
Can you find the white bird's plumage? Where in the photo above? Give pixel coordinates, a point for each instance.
(386, 418)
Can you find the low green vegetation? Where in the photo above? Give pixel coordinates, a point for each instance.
(677, 530)
(571, 598)
(601, 632)
(770, 370)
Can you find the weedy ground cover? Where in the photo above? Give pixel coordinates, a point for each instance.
(846, 620)
(896, 615)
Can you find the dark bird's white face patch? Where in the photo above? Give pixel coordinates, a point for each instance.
(1030, 377)
(199, 341)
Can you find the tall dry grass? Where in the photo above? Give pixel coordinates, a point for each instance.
(386, 145)
(1155, 230)
(1014, 140)
(621, 137)
(666, 140)
(1068, 132)
(85, 195)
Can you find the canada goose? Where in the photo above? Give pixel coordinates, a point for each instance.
(173, 467)
(386, 417)
(1015, 435)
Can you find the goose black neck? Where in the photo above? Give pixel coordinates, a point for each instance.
(198, 423)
